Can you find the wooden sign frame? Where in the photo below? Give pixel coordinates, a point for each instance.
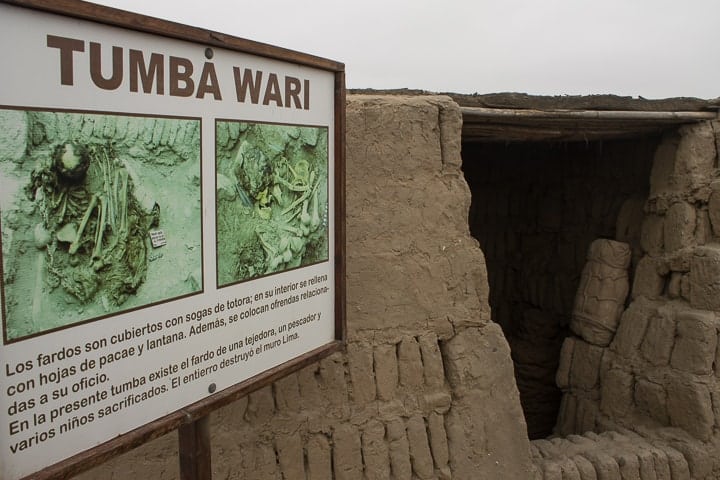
(192, 419)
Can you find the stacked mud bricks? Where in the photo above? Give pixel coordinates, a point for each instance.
(536, 208)
(608, 456)
(644, 357)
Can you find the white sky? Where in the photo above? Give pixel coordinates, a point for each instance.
(651, 48)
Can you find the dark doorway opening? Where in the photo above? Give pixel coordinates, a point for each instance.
(536, 206)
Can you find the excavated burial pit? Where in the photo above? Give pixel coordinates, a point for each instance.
(536, 206)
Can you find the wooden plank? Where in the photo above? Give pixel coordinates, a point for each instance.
(474, 133)
(340, 230)
(473, 113)
(194, 450)
(491, 124)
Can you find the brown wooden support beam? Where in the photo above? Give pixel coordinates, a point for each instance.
(195, 451)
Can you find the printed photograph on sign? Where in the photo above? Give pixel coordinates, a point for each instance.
(101, 214)
(272, 198)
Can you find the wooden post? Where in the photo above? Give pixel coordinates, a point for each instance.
(194, 440)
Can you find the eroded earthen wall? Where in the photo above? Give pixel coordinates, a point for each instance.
(425, 389)
(535, 209)
(659, 375)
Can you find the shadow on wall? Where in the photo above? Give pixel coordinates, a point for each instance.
(536, 207)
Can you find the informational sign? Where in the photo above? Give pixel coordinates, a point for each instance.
(171, 219)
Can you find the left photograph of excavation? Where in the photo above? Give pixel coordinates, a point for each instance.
(100, 214)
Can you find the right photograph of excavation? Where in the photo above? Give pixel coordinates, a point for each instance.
(272, 199)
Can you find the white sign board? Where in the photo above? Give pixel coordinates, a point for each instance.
(167, 218)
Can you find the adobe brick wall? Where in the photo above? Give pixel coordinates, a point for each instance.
(426, 388)
(658, 374)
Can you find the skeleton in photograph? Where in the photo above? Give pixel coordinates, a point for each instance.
(276, 181)
(93, 228)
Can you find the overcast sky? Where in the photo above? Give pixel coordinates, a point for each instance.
(649, 48)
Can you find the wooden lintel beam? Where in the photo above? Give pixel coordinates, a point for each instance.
(473, 114)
